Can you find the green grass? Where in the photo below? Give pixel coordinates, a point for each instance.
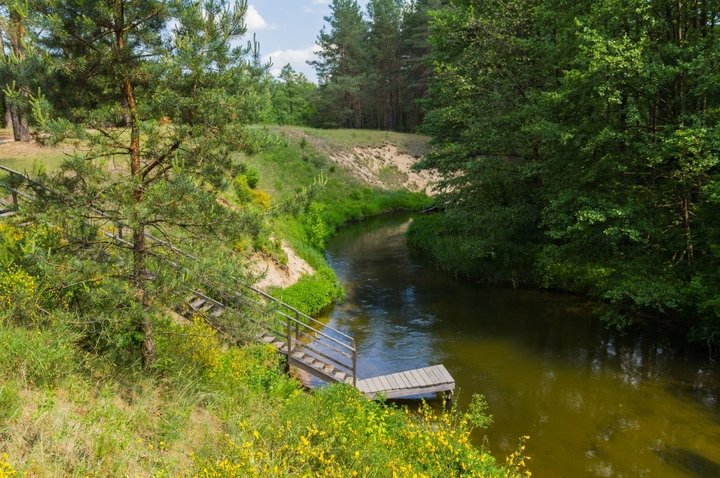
(48, 162)
(27, 157)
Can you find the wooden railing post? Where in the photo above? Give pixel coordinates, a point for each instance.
(14, 198)
(289, 338)
(120, 229)
(297, 325)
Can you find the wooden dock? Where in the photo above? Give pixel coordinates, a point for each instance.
(421, 381)
(310, 345)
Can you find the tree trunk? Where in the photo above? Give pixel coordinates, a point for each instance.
(6, 105)
(689, 246)
(149, 353)
(21, 130)
(24, 129)
(8, 115)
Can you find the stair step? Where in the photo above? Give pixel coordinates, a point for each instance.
(267, 339)
(197, 303)
(217, 312)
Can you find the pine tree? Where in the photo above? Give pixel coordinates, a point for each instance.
(383, 101)
(169, 95)
(341, 65)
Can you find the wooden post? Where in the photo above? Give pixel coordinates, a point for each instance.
(120, 230)
(297, 325)
(14, 198)
(289, 339)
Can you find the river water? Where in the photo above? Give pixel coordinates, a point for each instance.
(594, 402)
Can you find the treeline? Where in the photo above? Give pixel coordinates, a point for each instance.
(373, 69)
(579, 142)
(31, 81)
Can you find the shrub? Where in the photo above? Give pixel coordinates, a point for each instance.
(316, 230)
(261, 198)
(242, 189)
(252, 177)
(313, 293)
(336, 432)
(6, 469)
(18, 292)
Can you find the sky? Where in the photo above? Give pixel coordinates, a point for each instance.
(287, 30)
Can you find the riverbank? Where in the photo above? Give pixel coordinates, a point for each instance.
(364, 175)
(75, 399)
(625, 298)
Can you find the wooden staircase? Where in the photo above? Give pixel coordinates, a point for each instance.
(309, 345)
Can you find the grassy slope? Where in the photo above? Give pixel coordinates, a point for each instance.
(207, 410)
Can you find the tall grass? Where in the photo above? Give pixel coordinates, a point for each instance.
(209, 410)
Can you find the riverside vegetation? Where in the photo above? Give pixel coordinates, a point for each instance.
(75, 400)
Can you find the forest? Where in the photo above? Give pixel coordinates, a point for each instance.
(578, 141)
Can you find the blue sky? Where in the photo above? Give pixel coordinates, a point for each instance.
(287, 30)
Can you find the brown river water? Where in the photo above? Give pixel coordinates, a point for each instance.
(594, 402)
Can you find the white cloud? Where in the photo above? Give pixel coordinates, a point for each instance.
(320, 3)
(254, 21)
(297, 59)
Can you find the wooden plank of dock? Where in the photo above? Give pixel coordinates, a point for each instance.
(409, 383)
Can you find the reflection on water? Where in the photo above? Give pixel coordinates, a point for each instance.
(596, 403)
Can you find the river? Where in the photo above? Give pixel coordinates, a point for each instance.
(594, 402)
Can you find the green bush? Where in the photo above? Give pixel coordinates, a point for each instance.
(242, 189)
(253, 177)
(312, 293)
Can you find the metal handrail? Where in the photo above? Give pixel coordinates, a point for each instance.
(293, 309)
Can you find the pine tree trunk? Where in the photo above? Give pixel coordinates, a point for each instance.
(145, 327)
(21, 130)
(24, 129)
(6, 104)
(8, 115)
(15, 122)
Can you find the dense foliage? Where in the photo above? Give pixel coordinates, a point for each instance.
(579, 142)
